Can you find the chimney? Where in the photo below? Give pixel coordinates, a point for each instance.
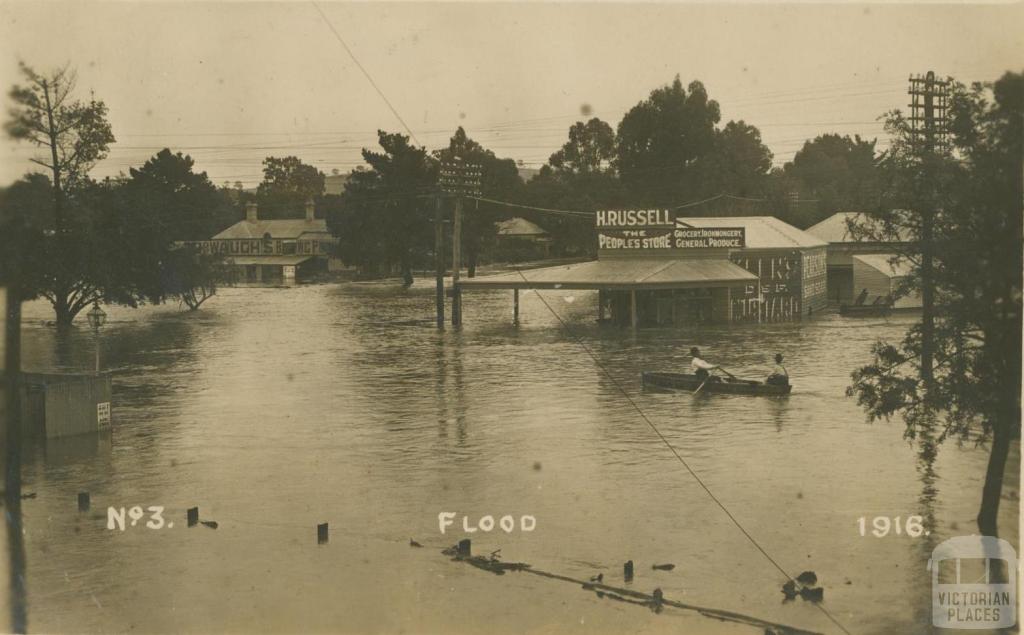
(250, 212)
(310, 209)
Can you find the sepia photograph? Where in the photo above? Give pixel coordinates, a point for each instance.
(511, 317)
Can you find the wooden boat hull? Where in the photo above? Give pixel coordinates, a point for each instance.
(865, 310)
(683, 381)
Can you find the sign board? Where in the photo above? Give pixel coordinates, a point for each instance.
(634, 230)
(657, 232)
(690, 237)
(103, 414)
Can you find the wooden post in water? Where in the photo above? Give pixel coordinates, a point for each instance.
(83, 501)
(515, 307)
(11, 366)
(193, 516)
(457, 263)
(465, 548)
(439, 262)
(321, 533)
(632, 308)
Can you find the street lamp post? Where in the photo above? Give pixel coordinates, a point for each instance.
(97, 318)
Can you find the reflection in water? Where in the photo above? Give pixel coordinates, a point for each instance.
(274, 410)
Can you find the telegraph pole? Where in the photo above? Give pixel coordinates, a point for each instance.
(439, 261)
(929, 129)
(460, 179)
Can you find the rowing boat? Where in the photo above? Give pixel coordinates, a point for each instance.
(865, 310)
(683, 381)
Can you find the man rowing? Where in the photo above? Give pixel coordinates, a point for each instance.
(701, 368)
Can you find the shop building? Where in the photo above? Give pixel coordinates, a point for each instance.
(274, 250)
(654, 268)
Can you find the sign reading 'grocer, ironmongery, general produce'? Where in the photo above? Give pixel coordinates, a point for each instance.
(689, 237)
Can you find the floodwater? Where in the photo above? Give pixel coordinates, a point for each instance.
(273, 410)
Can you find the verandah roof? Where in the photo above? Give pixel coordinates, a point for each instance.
(620, 274)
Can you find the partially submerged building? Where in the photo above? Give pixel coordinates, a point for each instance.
(654, 268)
(842, 248)
(274, 250)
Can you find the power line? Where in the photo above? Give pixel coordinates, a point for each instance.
(370, 79)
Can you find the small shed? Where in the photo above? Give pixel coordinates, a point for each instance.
(64, 404)
(881, 275)
(520, 239)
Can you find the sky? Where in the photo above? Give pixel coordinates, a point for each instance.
(232, 83)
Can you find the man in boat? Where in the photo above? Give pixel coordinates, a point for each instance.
(701, 368)
(779, 375)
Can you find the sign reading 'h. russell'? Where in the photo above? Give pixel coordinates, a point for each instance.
(633, 217)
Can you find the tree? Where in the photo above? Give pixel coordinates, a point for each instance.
(74, 135)
(185, 204)
(975, 199)
(287, 184)
(499, 180)
(840, 172)
(661, 138)
(590, 148)
(192, 276)
(737, 163)
(384, 216)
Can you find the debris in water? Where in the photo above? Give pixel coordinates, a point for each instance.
(817, 594)
(789, 590)
(664, 567)
(413, 543)
(212, 524)
(597, 578)
(807, 578)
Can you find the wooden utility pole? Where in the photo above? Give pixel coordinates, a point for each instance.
(12, 472)
(457, 263)
(461, 179)
(439, 261)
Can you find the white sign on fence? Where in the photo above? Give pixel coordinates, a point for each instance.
(103, 414)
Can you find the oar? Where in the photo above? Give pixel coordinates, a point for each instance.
(727, 372)
(702, 384)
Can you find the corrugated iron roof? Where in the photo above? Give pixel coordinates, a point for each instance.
(277, 228)
(883, 262)
(834, 229)
(620, 273)
(762, 232)
(519, 227)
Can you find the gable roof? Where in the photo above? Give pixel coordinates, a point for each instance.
(762, 232)
(889, 264)
(519, 227)
(834, 229)
(278, 228)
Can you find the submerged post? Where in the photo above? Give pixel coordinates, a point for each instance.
(439, 262)
(192, 516)
(515, 306)
(457, 264)
(321, 533)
